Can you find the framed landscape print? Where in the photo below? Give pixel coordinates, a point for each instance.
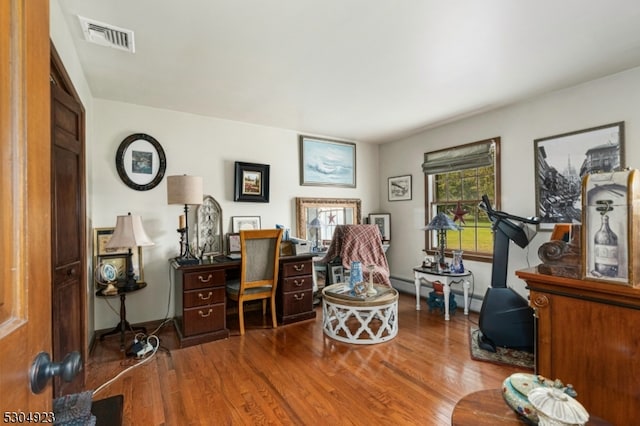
(562, 161)
(325, 162)
(251, 182)
(399, 188)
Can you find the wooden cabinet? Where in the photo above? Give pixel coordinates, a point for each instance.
(295, 289)
(587, 335)
(200, 304)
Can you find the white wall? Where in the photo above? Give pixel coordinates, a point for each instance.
(607, 100)
(206, 147)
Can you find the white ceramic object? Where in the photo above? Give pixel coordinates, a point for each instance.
(556, 408)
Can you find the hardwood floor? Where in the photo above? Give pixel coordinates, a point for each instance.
(294, 375)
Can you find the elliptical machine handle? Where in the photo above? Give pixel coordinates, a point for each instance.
(486, 206)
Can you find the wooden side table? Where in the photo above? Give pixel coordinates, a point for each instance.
(123, 325)
(488, 408)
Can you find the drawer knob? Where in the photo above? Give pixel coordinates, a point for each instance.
(203, 315)
(202, 280)
(299, 283)
(299, 296)
(299, 267)
(205, 298)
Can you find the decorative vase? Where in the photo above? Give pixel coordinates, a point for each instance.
(355, 276)
(556, 408)
(456, 264)
(516, 388)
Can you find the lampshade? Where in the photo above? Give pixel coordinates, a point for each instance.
(315, 223)
(441, 222)
(129, 233)
(184, 189)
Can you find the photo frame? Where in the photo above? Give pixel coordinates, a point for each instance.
(561, 161)
(115, 256)
(140, 162)
(239, 223)
(233, 243)
(399, 188)
(335, 274)
(383, 221)
(325, 162)
(251, 182)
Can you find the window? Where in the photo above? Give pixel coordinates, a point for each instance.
(455, 180)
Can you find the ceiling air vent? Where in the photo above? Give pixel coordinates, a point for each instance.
(107, 35)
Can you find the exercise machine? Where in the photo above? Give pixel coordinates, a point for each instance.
(506, 320)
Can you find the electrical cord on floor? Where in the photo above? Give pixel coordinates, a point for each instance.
(143, 360)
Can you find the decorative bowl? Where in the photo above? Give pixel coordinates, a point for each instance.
(516, 388)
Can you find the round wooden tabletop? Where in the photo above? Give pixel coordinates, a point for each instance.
(338, 295)
(488, 408)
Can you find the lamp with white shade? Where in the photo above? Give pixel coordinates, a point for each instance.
(185, 190)
(129, 233)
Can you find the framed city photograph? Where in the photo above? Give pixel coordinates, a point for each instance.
(325, 162)
(399, 188)
(383, 221)
(562, 161)
(239, 223)
(251, 182)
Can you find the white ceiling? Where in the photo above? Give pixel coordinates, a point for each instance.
(366, 70)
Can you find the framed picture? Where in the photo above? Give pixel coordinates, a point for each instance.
(233, 243)
(325, 162)
(114, 256)
(251, 182)
(244, 222)
(562, 161)
(336, 274)
(399, 188)
(141, 162)
(383, 220)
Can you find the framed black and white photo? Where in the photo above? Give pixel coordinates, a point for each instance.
(325, 162)
(399, 188)
(383, 221)
(562, 161)
(251, 182)
(238, 223)
(141, 162)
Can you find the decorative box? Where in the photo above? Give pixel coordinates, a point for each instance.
(611, 227)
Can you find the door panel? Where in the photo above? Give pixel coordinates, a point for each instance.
(25, 201)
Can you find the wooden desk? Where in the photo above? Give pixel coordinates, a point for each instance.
(200, 295)
(488, 408)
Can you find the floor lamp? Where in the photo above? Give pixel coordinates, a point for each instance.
(185, 190)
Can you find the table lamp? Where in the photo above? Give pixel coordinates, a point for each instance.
(441, 223)
(185, 190)
(129, 234)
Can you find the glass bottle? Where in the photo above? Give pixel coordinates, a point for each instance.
(606, 250)
(356, 274)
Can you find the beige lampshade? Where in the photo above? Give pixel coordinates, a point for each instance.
(129, 233)
(184, 189)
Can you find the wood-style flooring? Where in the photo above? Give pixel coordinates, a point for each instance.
(294, 375)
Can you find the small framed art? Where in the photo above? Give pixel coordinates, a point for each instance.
(233, 243)
(140, 162)
(239, 223)
(251, 182)
(399, 188)
(383, 221)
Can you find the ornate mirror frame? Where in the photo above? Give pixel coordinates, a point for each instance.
(303, 204)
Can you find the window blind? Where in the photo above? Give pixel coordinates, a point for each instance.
(459, 158)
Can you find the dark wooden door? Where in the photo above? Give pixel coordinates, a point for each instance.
(68, 251)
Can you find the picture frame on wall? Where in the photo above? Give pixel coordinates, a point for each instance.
(561, 161)
(383, 221)
(239, 223)
(140, 162)
(325, 162)
(114, 256)
(399, 188)
(251, 182)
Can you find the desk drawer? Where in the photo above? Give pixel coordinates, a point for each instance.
(203, 279)
(203, 297)
(203, 319)
(297, 302)
(297, 283)
(301, 267)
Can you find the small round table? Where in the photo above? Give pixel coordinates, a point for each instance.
(361, 321)
(123, 325)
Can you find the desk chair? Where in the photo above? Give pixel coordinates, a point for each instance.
(258, 272)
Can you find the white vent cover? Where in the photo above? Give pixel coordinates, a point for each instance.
(107, 35)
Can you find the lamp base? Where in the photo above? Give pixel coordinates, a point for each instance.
(187, 260)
